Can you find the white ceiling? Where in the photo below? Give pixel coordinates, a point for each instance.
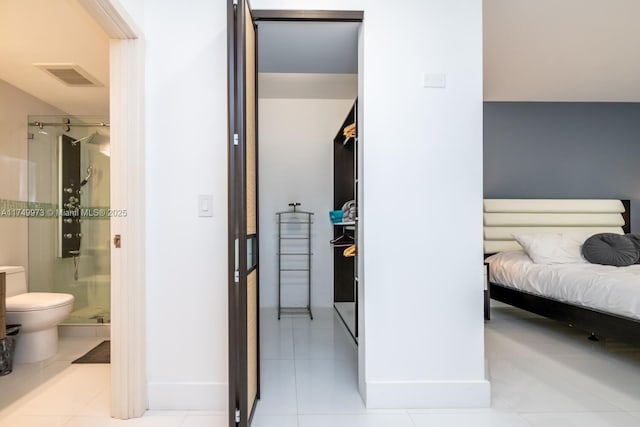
(534, 50)
(54, 31)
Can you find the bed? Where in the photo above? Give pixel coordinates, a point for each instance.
(600, 299)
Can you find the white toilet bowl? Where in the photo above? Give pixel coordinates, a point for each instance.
(39, 313)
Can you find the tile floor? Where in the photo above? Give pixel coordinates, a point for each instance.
(55, 393)
(542, 374)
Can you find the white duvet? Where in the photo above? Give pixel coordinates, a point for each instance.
(610, 289)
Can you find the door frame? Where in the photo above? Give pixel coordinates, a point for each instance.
(308, 15)
(126, 109)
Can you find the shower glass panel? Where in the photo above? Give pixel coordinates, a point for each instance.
(69, 224)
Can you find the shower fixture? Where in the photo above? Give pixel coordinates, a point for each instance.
(87, 138)
(89, 173)
(67, 124)
(69, 199)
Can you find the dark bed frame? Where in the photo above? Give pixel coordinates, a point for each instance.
(596, 322)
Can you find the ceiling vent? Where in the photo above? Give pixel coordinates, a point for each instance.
(70, 74)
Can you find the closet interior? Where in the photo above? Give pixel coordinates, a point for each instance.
(345, 241)
(307, 162)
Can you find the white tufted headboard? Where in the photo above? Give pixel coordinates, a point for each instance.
(505, 217)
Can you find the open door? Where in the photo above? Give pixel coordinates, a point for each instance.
(243, 216)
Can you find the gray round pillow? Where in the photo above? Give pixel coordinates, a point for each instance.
(635, 239)
(610, 249)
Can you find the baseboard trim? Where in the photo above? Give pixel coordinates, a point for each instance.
(428, 394)
(194, 396)
(85, 331)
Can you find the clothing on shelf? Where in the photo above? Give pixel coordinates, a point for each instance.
(351, 251)
(336, 216)
(349, 211)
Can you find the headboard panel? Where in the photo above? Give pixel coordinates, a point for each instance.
(505, 217)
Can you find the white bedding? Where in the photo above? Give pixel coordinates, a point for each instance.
(610, 289)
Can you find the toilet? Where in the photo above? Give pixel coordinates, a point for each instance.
(39, 313)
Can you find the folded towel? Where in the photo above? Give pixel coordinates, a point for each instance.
(348, 205)
(349, 211)
(336, 216)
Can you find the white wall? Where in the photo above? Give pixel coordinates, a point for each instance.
(15, 108)
(422, 294)
(422, 149)
(296, 164)
(186, 155)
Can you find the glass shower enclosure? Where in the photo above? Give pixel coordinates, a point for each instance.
(69, 228)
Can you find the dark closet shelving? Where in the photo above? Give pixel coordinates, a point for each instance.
(345, 171)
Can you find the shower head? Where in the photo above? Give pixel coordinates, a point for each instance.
(86, 139)
(86, 179)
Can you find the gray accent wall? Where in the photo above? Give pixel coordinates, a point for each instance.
(563, 150)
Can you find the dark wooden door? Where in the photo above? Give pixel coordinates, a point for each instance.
(243, 216)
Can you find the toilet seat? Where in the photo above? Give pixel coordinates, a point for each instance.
(37, 301)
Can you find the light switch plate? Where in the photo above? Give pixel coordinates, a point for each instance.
(205, 205)
(434, 80)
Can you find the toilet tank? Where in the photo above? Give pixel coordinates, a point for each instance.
(15, 279)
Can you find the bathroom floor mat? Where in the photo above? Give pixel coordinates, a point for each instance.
(99, 354)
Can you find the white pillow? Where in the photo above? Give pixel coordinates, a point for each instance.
(554, 248)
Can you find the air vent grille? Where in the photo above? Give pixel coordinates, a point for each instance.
(69, 74)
